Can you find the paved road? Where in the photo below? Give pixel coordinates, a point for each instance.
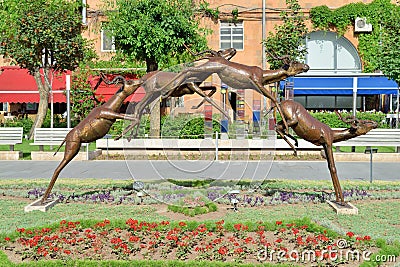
(148, 170)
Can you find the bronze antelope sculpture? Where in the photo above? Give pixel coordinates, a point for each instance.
(95, 125)
(233, 74)
(240, 76)
(158, 84)
(318, 133)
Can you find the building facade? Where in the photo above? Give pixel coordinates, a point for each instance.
(328, 53)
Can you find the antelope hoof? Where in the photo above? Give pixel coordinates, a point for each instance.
(118, 137)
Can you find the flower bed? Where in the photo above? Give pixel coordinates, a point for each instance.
(298, 242)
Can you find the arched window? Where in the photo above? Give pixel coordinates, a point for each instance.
(330, 53)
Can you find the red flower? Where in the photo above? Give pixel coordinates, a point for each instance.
(223, 250)
(164, 222)
(299, 240)
(359, 238)
(202, 228)
(130, 221)
(237, 226)
(7, 239)
(248, 240)
(278, 222)
(350, 234)
(67, 251)
(217, 241)
(133, 239)
(182, 224)
(279, 240)
(239, 251)
(367, 238)
(20, 230)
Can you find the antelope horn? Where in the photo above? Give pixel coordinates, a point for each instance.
(349, 120)
(114, 81)
(285, 59)
(212, 52)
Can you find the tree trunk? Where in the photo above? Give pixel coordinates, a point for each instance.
(43, 103)
(155, 112)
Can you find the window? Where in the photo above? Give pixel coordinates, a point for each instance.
(107, 41)
(330, 53)
(231, 35)
(4, 106)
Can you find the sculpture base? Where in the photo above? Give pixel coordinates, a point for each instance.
(36, 205)
(346, 209)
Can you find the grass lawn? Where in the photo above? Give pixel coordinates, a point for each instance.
(361, 149)
(377, 218)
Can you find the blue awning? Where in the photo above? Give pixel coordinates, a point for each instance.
(365, 85)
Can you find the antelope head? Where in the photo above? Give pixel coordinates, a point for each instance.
(358, 127)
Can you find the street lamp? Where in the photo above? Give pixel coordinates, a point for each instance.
(233, 198)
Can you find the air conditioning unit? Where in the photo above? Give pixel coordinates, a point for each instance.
(361, 25)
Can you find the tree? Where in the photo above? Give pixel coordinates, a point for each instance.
(155, 31)
(388, 55)
(43, 36)
(287, 39)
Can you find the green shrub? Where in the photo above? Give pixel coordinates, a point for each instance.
(26, 123)
(332, 120)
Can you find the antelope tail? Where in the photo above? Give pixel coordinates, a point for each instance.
(58, 149)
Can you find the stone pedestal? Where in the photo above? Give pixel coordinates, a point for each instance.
(36, 205)
(347, 209)
(43, 155)
(10, 155)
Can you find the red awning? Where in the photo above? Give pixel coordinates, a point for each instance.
(18, 86)
(104, 91)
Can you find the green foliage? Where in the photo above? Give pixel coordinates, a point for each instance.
(120, 61)
(33, 29)
(288, 37)
(388, 56)
(185, 126)
(191, 183)
(333, 121)
(26, 123)
(154, 31)
(193, 211)
(58, 121)
(43, 34)
(83, 97)
(377, 49)
(204, 8)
